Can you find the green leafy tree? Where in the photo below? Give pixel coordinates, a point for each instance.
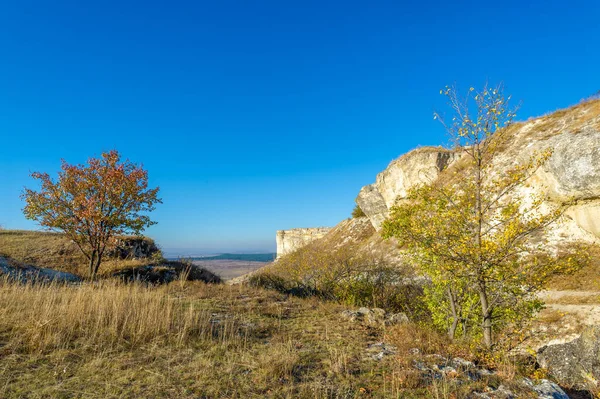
(470, 231)
(94, 203)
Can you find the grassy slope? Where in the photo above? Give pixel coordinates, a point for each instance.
(191, 340)
(51, 250)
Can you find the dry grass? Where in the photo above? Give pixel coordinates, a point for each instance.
(551, 316)
(586, 279)
(41, 249)
(109, 314)
(55, 251)
(576, 118)
(179, 340)
(191, 340)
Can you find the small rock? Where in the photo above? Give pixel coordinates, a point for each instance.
(396, 318)
(546, 389)
(365, 315)
(349, 315)
(459, 362)
(380, 350)
(414, 351)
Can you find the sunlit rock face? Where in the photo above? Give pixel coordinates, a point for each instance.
(420, 166)
(572, 173)
(290, 240)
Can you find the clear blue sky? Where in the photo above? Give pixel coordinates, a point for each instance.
(254, 116)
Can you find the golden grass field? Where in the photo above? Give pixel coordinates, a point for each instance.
(195, 340)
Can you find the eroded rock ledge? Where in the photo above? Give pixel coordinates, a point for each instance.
(290, 240)
(420, 166)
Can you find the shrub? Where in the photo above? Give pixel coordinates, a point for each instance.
(357, 212)
(343, 274)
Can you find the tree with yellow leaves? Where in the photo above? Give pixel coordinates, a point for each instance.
(480, 242)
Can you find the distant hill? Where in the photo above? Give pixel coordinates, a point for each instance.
(242, 257)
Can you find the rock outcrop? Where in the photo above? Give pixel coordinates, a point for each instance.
(289, 241)
(575, 363)
(374, 317)
(571, 174)
(132, 247)
(31, 274)
(422, 165)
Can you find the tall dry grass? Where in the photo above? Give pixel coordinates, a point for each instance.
(106, 315)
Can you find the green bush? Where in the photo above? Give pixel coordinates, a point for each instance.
(345, 275)
(357, 212)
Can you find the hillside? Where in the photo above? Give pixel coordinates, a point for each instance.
(55, 251)
(573, 172)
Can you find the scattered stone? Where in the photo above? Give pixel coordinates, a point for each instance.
(546, 389)
(396, 318)
(374, 317)
(380, 350)
(349, 315)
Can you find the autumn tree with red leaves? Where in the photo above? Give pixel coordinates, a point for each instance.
(94, 203)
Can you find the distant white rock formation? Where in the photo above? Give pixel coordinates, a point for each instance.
(290, 240)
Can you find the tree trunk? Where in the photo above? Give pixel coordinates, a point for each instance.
(485, 308)
(98, 261)
(92, 265)
(452, 299)
(487, 317)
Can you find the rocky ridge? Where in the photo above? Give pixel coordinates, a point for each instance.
(572, 173)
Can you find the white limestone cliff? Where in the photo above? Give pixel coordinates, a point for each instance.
(572, 172)
(290, 240)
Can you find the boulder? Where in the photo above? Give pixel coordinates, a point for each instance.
(133, 247)
(575, 363)
(573, 170)
(373, 205)
(396, 318)
(546, 389)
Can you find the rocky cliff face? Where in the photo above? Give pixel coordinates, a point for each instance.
(290, 240)
(420, 166)
(572, 172)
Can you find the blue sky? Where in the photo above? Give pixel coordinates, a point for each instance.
(254, 116)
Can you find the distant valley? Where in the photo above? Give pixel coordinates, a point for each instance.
(229, 265)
